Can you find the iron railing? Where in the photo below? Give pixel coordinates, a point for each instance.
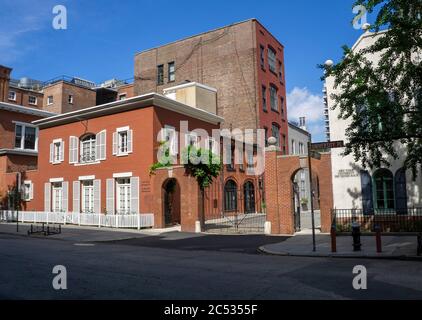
(409, 220)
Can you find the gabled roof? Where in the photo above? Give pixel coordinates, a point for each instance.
(138, 102)
(25, 110)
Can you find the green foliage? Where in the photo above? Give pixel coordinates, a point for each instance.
(164, 162)
(383, 101)
(201, 164)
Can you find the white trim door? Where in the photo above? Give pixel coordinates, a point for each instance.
(123, 195)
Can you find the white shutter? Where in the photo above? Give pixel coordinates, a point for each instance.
(51, 152)
(100, 145)
(73, 149)
(114, 143)
(76, 196)
(110, 196)
(31, 191)
(129, 141)
(65, 190)
(97, 196)
(62, 151)
(134, 195)
(47, 197)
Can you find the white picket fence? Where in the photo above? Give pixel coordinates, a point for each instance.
(144, 220)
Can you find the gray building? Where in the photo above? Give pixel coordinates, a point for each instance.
(298, 145)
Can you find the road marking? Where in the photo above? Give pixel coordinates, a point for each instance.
(84, 244)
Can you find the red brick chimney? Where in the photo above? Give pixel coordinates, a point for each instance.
(4, 82)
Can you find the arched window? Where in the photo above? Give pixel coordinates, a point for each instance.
(88, 148)
(249, 197)
(230, 196)
(384, 189)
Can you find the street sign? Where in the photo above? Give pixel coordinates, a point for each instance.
(327, 145)
(315, 155)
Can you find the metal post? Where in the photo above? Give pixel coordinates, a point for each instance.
(378, 238)
(312, 197)
(333, 239)
(17, 202)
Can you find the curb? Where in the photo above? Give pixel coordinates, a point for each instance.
(263, 250)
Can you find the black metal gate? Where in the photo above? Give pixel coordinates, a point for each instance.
(233, 208)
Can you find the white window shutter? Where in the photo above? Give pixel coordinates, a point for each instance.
(97, 196)
(73, 149)
(101, 145)
(134, 195)
(47, 197)
(31, 191)
(76, 196)
(65, 198)
(61, 151)
(114, 143)
(129, 141)
(110, 196)
(51, 152)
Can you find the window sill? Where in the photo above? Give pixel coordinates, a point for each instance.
(122, 154)
(86, 163)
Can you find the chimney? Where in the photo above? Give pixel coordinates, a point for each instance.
(302, 123)
(4, 83)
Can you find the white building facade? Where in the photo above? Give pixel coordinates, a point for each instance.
(379, 190)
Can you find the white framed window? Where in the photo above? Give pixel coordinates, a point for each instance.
(28, 190)
(273, 98)
(12, 95)
(122, 96)
(88, 149)
(26, 136)
(301, 148)
(57, 196)
(122, 141)
(293, 146)
(212, 145)
(32, 100)
(50, 100)
(172, 71)
(169, 135)
(123, 194)
(70, 99)
(57, 151)
(88, 196)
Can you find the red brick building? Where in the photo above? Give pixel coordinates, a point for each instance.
(243, 61)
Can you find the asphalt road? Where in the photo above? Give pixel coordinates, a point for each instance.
(168, 268)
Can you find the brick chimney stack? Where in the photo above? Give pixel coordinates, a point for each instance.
(4, 82)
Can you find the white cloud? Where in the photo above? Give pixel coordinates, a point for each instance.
(302, 103)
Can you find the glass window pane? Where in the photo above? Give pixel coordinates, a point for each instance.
(18, 136)
(30, 135)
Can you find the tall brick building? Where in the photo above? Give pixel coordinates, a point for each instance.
(243, 61)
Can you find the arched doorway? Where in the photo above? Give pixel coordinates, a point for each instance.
(230, 196)
(171, 202)
(249, 197)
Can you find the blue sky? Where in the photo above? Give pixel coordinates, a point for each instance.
(103, 36)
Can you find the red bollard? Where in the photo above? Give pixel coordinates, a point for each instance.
(378, 238)
(333, 239)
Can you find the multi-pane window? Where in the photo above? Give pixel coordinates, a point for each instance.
(12, 95)
(57, 151)
(266, 136)
(70, 99)
(264, 98)
(88, 196)
(282, 107)
(169, 135)
(272, 59)
(301, 148)
(122, 142)
(50, 100)
(160, 74)
(262, 56)
(230, 196)
(172, 71)
(32, 100)
(276, 133)
(273, 98)
(57, 197)
(384, 189)
(284, 144)
(123, 195)
(88, 145)
(27, 190)
(192, 139)
(25, 137)
(293, 146)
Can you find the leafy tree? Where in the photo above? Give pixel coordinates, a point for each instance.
(383, 101)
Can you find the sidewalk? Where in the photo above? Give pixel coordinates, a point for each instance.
(85, 234)
(393, 247)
